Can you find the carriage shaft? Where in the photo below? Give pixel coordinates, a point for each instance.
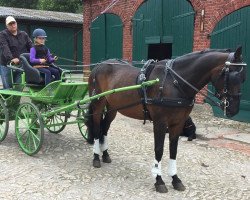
(96, 97)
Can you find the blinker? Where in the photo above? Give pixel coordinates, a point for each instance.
(234, 78)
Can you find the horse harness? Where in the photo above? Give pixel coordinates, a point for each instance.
(229, 77)
(179, 102)
(160, 100)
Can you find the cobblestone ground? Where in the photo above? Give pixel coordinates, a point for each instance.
(210, 167)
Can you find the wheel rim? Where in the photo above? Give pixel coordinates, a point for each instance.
(81, 116)
(4, 121)
(56, 119)
(29, 128)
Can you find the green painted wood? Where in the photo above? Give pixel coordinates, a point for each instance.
(97, 39)
(106, 38)
(231, 31)
(79, 46)
(103, 94)
(163, 21)
(114, 34)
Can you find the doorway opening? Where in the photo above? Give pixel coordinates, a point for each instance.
(160, 51)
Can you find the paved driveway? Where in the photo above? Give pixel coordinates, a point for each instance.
(208, 166)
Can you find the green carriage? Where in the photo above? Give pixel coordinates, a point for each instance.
(35, 107)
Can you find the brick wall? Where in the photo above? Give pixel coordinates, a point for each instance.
(214, 12)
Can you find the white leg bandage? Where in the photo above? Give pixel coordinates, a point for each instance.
(104, 146)
(156, 170)
(96, 148)
(172, 167)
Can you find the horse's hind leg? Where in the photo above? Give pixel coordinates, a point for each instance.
(105, 124)
(159, 137)
(97, 107)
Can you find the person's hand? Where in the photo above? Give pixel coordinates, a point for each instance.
(42, 61)
(15, 61)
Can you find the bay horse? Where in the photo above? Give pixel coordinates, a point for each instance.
(168, 102)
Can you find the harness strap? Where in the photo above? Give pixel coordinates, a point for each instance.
(166, 71)
(143, 76)
(194, 88)
(174, 102)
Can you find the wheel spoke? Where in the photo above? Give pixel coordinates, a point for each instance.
(81, 123)
(33, 139)
(54, 120)
(23, 134)
(4, 120)
(34, 135)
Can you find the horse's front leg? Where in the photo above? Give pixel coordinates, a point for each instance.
(159, 137)
(172, 169)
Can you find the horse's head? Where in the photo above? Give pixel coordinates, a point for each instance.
(228, 83)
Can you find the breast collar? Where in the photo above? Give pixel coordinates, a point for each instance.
(160, 100)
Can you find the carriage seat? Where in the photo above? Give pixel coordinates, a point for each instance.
(32, 75)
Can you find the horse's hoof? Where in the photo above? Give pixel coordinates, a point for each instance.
(161, 188)
(96, 163)
(106, 159)
(178, 186)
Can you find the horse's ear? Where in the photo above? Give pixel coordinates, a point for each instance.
(238, 52)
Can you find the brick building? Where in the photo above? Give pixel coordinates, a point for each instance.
(135, 29)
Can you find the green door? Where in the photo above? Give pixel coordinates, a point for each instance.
(106, 38)
(231, 31)
(163, 25)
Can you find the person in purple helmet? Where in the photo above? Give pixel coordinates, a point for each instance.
(41, 58)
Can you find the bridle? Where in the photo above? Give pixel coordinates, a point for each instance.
(224, 96)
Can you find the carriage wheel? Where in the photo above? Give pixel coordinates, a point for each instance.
(29, 128)
(4, 120)
(81, 116)
(57, 119)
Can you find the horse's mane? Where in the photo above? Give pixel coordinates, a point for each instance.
(199, 53)
(216, 50)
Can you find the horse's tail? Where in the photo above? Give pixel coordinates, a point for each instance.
(93, 89)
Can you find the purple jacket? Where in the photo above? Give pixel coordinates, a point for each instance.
(38, 52)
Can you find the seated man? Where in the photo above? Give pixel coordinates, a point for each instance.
(13, 42)
(41, 58)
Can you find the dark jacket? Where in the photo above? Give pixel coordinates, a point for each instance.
(13, 45)
(41, 51)
(38, 52)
